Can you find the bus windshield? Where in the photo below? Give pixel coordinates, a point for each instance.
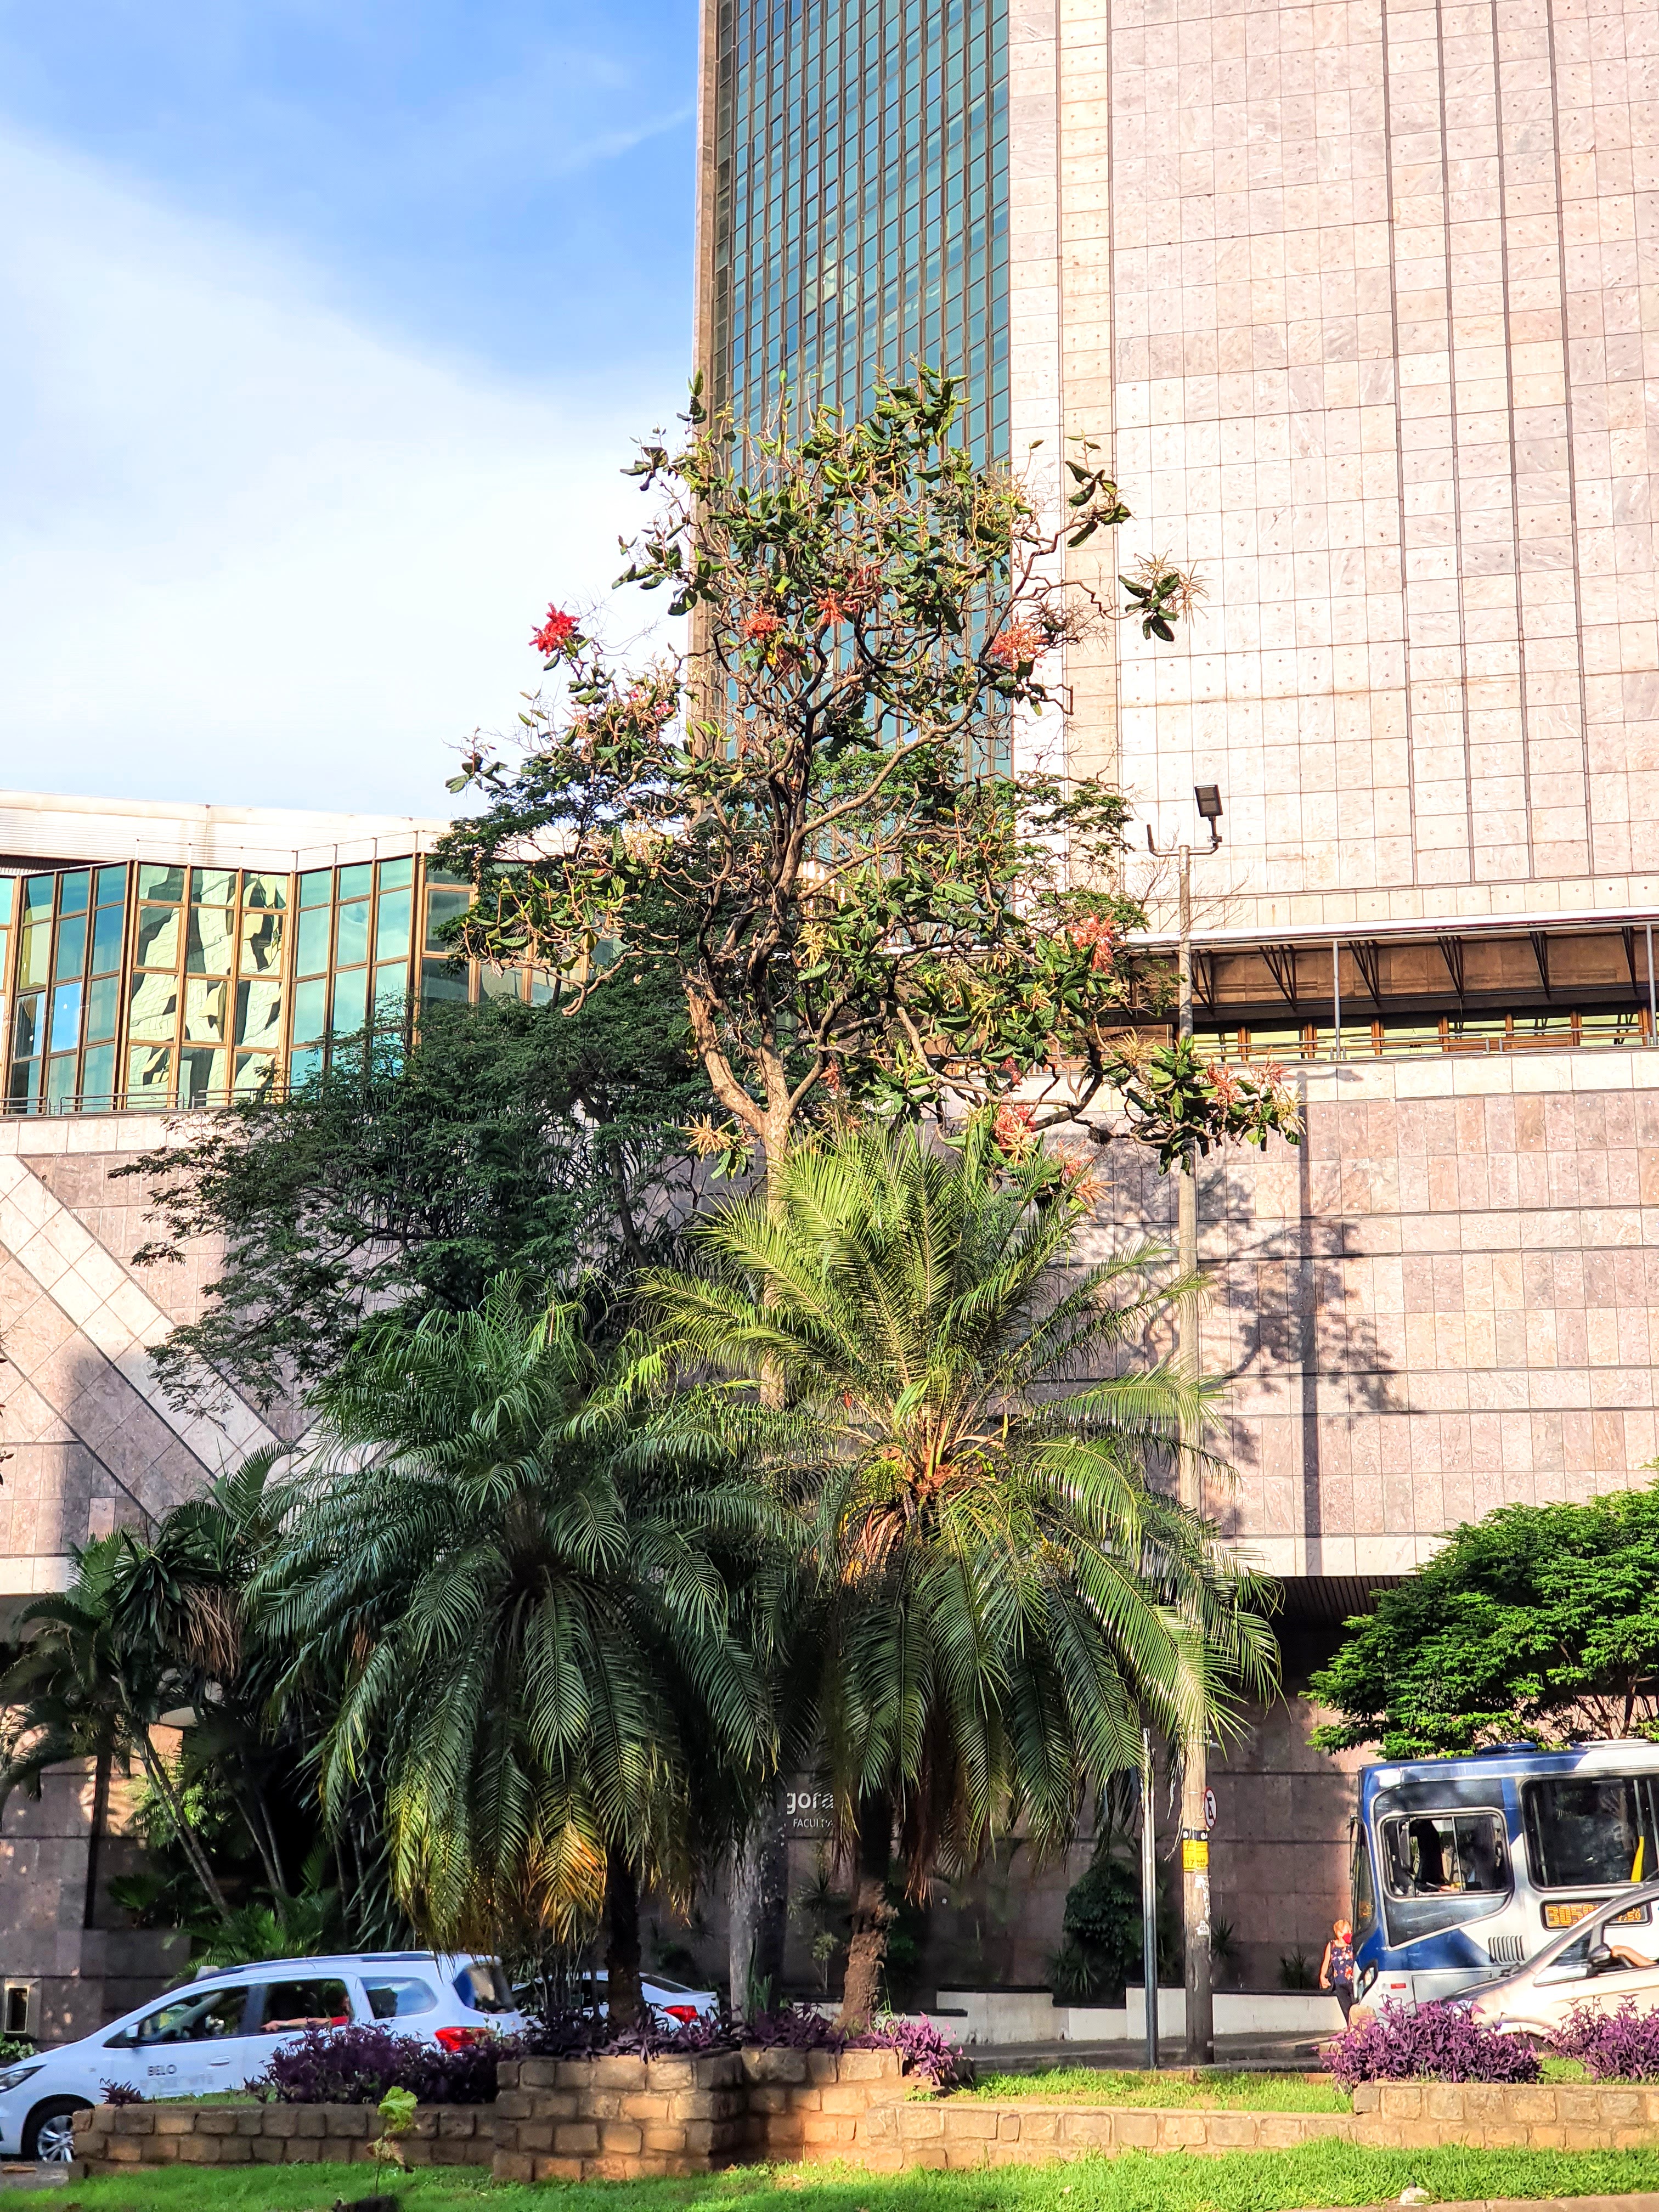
(1589, 1833)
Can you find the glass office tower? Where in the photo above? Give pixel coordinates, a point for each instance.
(856, 202)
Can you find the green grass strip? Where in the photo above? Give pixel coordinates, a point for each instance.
(1317, 2175)
(1171, 2091)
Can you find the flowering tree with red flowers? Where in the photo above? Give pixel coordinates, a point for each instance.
(812, 817)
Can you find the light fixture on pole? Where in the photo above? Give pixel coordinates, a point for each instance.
(1195, 1782)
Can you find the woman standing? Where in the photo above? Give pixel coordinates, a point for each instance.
(1336, 1968)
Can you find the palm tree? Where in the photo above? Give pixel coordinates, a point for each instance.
(1001, 1594)
(530, 1616)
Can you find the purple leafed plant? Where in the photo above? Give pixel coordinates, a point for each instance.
(358, 2065)
(119, 2092)
(1617, 2046)
(1432, 2043)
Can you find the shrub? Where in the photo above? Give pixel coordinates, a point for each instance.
(119, 2092)
(1618, 2046)
(358, 2065)
(1435, 2043)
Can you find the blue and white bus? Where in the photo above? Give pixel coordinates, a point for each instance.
(1464, 1867)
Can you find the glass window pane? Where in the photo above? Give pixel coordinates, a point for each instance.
(352, 937)
(25, 1083)
(37, 896)
(35, 955)
(264, 891)
(109, 927)
(350, 1001)
(310, 1011)
(390, 993)
(209, 952)
(149, 1076)
(98, 1077)
(158, 937)
(318, 888)
(443, 905)
(26, 1026)
(60, 1084)
(155, 882)
(256, 1075)
(213, 886)
(201, 1077)
(109, 886)
(302, 1066)
(542, 989)
(7, 891)
(356, 883)
(65, 1017)
(153, 1008)
(501, 982)
(440, 980)
(392, 926)
(1585, 1832)
(71, 948)
(311, 947)
(77, 890)
(262, 941)
(259, 1014)
(396, 874)
(103, 1005)
(204, 1013)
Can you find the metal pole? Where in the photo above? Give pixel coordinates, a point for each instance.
(1148, 1898)
(1336, 996)
(1194, 1856)
(1653, 1001)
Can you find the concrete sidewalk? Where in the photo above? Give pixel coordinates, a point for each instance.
(1234, 2054)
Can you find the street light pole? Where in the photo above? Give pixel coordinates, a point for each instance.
(1194, 1773)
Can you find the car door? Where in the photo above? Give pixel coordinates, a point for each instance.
(283, 2010)
(180, 2048)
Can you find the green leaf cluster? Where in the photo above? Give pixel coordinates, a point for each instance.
(1539, 1622)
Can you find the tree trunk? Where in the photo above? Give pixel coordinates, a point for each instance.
(872, 1916)
(162, 1782)
(621, 1943)
(760, 1907)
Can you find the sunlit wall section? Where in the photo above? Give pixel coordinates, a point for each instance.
(150, 984)
(860, 202)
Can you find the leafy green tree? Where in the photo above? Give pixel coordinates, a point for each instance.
(505, 1135)
(530, 1617)
(902, 1341)
(810, 821)
(1539, 1622)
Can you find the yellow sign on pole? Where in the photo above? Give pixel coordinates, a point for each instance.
(1194, 1854)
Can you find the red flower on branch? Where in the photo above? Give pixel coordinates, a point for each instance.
(1019, 645)
(1097, 935)
(555, 632)
(760, 623)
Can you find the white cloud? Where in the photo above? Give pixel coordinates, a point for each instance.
(250, 552)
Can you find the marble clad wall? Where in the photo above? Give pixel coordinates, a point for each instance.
(1365, 297)
(1447, 1299)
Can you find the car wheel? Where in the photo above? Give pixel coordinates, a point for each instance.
(49, 2133)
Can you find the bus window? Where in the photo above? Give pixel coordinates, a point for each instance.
(1364, 1896)
(1583, 1832)
(1445, 1854)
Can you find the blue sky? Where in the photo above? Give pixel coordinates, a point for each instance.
(328, 324)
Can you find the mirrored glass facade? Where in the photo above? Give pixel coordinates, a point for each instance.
(150, 984)
(860, 202)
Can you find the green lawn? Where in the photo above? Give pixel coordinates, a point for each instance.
(1176, 2091)
(1318, 2174)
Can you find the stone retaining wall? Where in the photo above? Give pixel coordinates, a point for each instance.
(114, 2137)
(619, 2119)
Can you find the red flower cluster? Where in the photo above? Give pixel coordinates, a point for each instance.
(1096, 934)
(556, 631)
(1019, 645)
(760, 623)
(1012, 1127)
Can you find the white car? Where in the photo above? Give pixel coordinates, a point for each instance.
(1608, 1959)
(672, 2004)
(218, 2031)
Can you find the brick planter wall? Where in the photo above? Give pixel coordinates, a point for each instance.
(113, 2137)
(619, 2119)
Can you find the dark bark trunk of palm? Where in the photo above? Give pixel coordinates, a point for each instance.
(760, 1907)
(872, 1916)
(621, 1943)
(95, 1837)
